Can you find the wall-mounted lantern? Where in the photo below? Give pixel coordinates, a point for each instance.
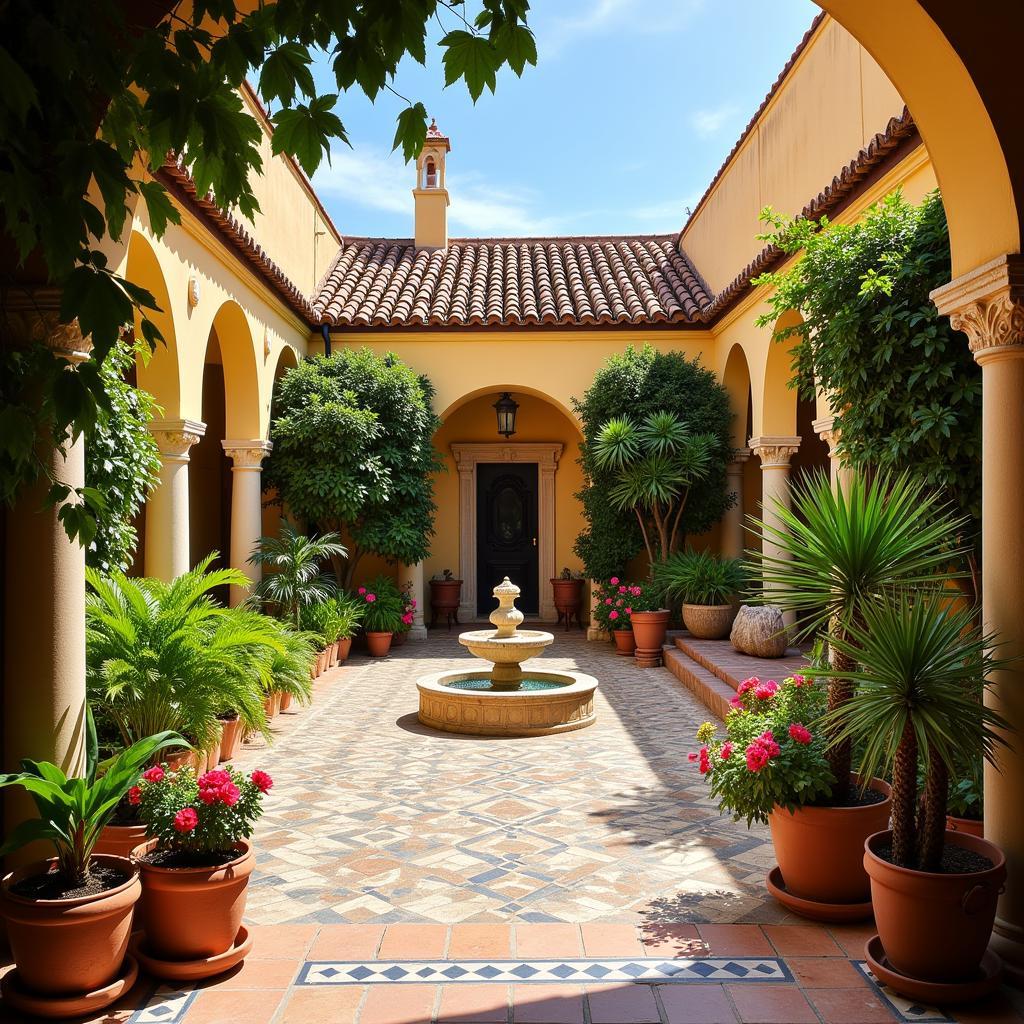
(506, 408)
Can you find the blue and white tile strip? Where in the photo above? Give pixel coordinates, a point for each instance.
(652, 970)
(167, 1005)
(905, 1009)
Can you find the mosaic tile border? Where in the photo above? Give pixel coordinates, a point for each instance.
(166, 1005)
(905, 1009)
(571, 971)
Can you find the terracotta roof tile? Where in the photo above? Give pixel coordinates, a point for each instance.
(519, 281)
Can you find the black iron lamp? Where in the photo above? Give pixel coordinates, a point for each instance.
(506, 408)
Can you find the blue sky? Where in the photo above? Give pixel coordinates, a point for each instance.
(631, 109)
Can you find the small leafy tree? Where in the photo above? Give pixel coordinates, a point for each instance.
(122, 463)
(653, 466)
(353, 453)
(636, 384)
(906, 390)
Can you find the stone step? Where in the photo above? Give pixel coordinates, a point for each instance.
(704, 685)
(719, 658)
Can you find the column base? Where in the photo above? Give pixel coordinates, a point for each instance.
(1008, 942)
(597, 633)
(418, 632)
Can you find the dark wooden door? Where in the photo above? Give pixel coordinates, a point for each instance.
(506, 533)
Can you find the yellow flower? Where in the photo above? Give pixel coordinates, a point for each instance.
(706, 733)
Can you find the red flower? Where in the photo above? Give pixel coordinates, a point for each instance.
(214, 779)
(757, 756)
(371, 598)
(799, 734)
(726, 752)
(748, 684)
(736, 702)
(607, 600)
(154, 774)
(261, 780)
(800, 681)
(614, 581)
(186, 820)
(361, 591)
(691, 757)
(636, 591)
(209, 796)
(705, 761)
(629, 611)
(134, 796)
(622, 590)
(613, 615)
(766, 690)
(229, 794)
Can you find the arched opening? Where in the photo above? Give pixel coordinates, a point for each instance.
(777, 415)
(741, 399)
(272, 514)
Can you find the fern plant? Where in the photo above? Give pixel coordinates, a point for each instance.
(168, 656)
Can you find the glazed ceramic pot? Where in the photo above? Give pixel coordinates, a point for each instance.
(192, 914)
(120, 840)
(968, 826)
(821, 849)
(378, 644)
(625, 642)
(344, 649)
(709, 621)
(935, 927)
(230, 738)
(69, 947)
(649, 629)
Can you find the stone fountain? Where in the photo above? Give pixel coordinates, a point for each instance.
(507, 701)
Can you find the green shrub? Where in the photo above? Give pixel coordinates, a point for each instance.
(382, 605)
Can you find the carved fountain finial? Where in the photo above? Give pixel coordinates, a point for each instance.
(506, 618)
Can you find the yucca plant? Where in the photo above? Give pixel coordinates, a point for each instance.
(838, 549)
(296, 577)
(922, 668)
(74, 811)
(700, 577)
(168, 656)
(655, 463)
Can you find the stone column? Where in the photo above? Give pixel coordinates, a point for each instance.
(594, 631)
(988, 305)
(839, 472)
(167, 532)
(732, 521)
(246, 508)
(775, 453)
(414, 574)
(467, 536)
(44, 589)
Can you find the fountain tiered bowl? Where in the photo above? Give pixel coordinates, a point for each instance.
(506, 701)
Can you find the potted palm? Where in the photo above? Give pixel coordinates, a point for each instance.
(831, 551)
(290, 665)
(921, 664)
(707, 587)
(69, 918)
(348, 614)
(654, 464)
(195, 869)
(382, 614)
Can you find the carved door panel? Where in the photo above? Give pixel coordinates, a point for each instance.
(506, 524)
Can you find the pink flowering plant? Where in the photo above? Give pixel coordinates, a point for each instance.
(201, 814)
(617, 599)
(773, 753)
(408, 608)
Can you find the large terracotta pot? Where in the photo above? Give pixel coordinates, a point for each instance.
(66, 947)
(625, 642)
(445, 596)
(378, 644)
(332, 659)
(212, 755)
(120, 840)
(193, 913)
(230, 738)
(344, 649)
(821, 849)
(709, 621)
(286, 701)
(935, 927)
(185, 759)
(649, 628)
(567, 597)
(968, 826)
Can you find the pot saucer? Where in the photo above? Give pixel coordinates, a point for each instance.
(813, 910)
(193, 970)
(937, 993)
(85, 1003)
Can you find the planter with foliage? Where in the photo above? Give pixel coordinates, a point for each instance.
(918, 707)
(707, 586)
(69, 918)
(445, 598)
(195, 869)
(649, 620)
(382, 614)
(567, 596)
(772, 768)
(613, 612)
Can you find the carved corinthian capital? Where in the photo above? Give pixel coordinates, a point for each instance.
(774, 452)
(987, 304)
(175, 437)
(33, 317)
(247, 454)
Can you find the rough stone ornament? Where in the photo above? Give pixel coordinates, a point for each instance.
(760, 632)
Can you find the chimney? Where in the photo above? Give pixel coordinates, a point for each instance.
(430, 194)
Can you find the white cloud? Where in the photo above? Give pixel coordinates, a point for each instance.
(594, 17)
(710, 122)
(370, 177)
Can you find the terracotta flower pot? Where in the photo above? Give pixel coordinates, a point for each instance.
(820, 849)
(935, 927)
(709, 621)
(968, 826)
(286, 701)
(625, 642)
(268, 706)
(183, 758)
(445, 597)
(332, 660)
(67, 947)
(120, 840)
(230, 738)
(212, 758)
(344, 649)
(193, 913)
(649, 629)
(378, 644)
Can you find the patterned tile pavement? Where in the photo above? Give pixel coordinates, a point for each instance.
(376, 819)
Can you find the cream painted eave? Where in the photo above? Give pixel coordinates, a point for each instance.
(384, 335)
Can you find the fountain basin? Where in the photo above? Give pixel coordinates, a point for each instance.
(505, 652)
(566, 706)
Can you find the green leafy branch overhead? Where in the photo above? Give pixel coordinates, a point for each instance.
(95, 98)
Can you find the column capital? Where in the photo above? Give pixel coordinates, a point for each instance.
(247, 454)
(739, 456)
(987, 304)
(33, 316)
(826, 429)
(175, 437)
(774, 452)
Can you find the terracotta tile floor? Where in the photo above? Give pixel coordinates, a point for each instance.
(407, 877)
